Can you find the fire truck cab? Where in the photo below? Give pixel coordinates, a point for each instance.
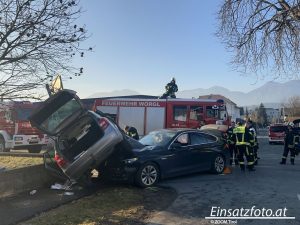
(150, 114)
(16, 131)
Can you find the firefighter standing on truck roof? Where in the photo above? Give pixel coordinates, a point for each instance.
(231, 144)
(171, 88)
(253, 141)
(242, 141)
(131, 132)
(290, 140)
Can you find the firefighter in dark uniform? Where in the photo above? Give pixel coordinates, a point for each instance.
(171, 88)
(131, 132)
(253, 141)
(231, 144)
(291, 139)
(242, 141)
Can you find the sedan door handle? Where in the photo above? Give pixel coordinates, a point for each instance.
(166, 157)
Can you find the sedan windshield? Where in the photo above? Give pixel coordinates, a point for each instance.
(157, 138)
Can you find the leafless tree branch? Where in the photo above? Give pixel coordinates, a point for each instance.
(38, 39)
(263, 34)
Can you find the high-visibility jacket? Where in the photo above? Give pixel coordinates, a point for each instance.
(242, 135)
(253, 138)
(291, 139)
(171, 88)
(132, 132)
(230, 136)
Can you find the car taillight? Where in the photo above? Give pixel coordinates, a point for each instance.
(103, 123)
(59, 160)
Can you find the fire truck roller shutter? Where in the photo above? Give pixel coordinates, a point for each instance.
(110, 111)
(133, 118)
(155, 119)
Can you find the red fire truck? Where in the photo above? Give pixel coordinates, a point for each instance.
(150, 114)
(16, 131)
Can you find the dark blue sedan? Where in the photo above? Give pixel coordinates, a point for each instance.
(167, 153)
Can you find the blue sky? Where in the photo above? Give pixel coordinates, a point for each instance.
(141, 44)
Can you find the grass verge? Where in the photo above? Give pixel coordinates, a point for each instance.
(109, 206)
(11, 162)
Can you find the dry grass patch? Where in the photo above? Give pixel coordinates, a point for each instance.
(12, 162)
(110, 206)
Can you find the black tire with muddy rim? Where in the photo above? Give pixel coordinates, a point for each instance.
(218, 164)
(147, 175)
(2, 145)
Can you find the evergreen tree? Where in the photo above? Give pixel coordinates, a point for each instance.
(247, 114)
(262, 117)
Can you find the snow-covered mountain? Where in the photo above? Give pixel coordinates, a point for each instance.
(114, 93)
(271, 94)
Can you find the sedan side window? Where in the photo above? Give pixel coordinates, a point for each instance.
(183, 139)
(198, 139)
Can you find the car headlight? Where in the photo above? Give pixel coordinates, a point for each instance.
(18, 138)
(129, 161)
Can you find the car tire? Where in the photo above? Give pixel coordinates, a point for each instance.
(218, 164)
(147, 175)
(103, 174)
(270, 142)
(2, 145)
(35, 149)
(86, 180)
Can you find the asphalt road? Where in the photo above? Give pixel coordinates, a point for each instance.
(271, 187)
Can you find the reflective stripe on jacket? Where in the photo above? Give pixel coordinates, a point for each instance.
(241, 136)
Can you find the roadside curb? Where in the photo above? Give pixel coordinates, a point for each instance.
(24, 179)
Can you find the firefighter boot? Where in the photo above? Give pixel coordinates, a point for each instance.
(236, 162)
(251, 168)
(283, 161)
(256, 161)
(242, 166)
(293, 161)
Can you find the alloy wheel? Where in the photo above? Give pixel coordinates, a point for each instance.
(149, 175)
(219, 164)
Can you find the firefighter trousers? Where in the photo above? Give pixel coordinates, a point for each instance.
(245, 151)
(233, 154)
(254, 149)
(285, 154)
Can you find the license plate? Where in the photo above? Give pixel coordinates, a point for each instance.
(33, 140)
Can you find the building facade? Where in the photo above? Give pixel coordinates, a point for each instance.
(273, 115)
